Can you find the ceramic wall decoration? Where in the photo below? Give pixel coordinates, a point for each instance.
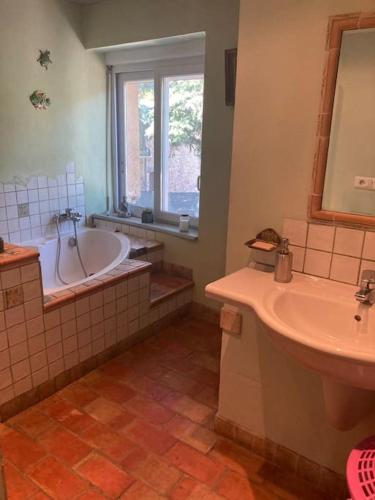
(40, 100)
(44, 58)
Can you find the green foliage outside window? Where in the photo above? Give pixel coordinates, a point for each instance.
(185, 113)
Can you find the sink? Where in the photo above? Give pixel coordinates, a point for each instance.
(320, 324)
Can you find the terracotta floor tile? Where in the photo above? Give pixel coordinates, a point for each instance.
(151, 437)
(158, 474)
(140, 491)
(103, 410)
(104, 475)
(183, 488)
(206, 377)
(178, 382)
(120, 421)
(202, 492)
(112, 444)
(91, 495)
(237, 458)
(78, 394)
(135, 458)
(190, 433)
(207, 395)
(150, 410)
(57, 481)
(64, 445)
(119, 393)
(206, 360)
(190, 408)
(118, 370)
(32, 422)
(232, 485)
(285, 485)
(18, 486)
(68, 415)
(171, 380)
(20, 449)
(194, 463)
(149, 387)
(39, 496)
(151, 370)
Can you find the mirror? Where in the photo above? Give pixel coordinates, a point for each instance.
(344, 170)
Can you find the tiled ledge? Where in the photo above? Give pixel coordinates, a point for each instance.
(127, 268)
(15, 255)
(155, 226)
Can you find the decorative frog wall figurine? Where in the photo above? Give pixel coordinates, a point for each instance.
(40, 100)
(44, 58)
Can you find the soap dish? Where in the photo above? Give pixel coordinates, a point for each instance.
(266, 241)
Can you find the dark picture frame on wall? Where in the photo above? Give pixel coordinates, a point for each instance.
(230, 76)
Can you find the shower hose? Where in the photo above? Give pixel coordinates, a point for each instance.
(58, 255)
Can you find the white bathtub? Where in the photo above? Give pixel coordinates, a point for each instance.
(101, 251)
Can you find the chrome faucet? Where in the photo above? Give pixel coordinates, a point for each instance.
(366, 294)
(70, 214)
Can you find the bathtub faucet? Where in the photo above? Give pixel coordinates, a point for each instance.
(70, 214)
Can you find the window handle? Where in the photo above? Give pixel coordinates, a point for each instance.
(199, 183)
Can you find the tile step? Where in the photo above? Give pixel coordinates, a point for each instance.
(164, 286)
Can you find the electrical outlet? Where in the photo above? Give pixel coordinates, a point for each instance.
(364, 182)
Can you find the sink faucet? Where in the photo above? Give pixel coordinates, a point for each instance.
(366, 294)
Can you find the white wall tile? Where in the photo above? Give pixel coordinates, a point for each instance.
(320, 237)
(296, 231)
(369, 246)
(348, 242)
(345, 269)
(317, 263)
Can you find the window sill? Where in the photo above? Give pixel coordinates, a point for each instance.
(159, 227)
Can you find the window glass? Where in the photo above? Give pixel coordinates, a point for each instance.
(181, 144)
(139, 104)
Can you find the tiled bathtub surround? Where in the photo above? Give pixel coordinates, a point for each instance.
(27, 209)
(39, 345)
(335, 252)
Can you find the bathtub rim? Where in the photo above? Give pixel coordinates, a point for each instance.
(123, 254)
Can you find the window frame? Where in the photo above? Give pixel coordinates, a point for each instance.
(157, 71)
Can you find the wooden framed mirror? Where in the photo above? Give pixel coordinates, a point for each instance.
(344, 163)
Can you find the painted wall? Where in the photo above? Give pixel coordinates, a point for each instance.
(120, 21)
(73, 128)
(281, 60)
(351, 150)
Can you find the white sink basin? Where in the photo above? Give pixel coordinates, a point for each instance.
(320, 324)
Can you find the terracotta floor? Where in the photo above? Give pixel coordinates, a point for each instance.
(140, 428)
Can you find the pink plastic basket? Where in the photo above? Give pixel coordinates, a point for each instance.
(360, 470)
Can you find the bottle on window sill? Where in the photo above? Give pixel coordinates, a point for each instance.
(184, 223)
(123, 210)
(147, 216)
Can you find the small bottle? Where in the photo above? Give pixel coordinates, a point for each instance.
(184, 223)
(283, 263)
(2, 249)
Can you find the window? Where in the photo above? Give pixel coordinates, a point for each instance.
(159, 120)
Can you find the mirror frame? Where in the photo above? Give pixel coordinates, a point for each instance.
(336, 26)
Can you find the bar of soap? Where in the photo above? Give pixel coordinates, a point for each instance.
(263, 245)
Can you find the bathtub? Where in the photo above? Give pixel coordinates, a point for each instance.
(100, 250)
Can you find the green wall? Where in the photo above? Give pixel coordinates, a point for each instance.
(73, 128)
(120, 21)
